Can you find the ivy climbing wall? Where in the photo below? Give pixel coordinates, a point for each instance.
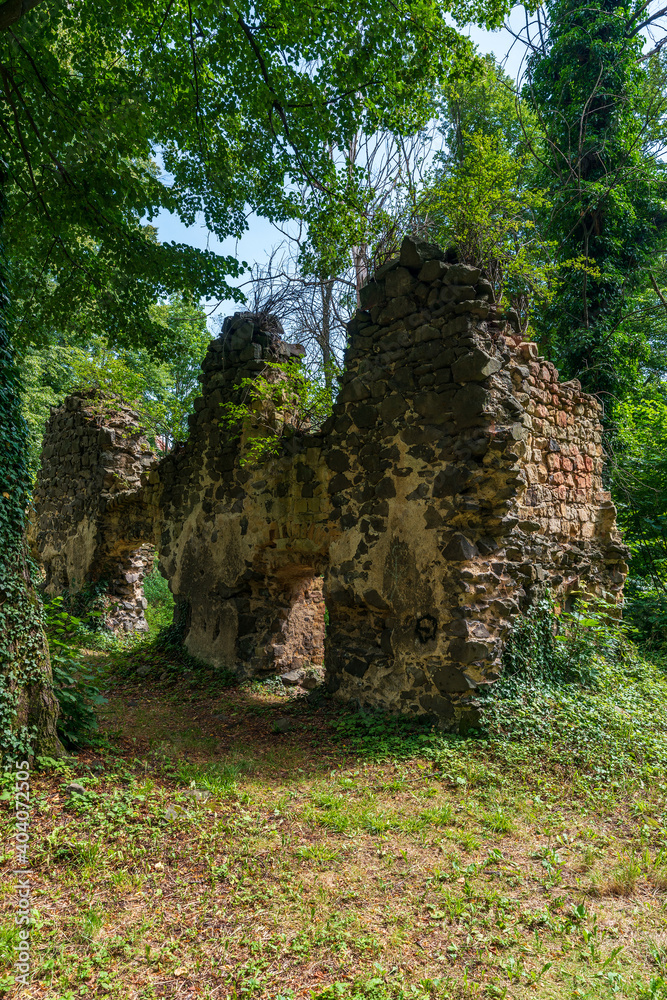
(454, 483)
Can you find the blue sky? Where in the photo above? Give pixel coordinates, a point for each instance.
(256, 244)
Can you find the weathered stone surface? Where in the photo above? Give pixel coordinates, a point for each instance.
(292, 677)
(460, 548)
(75, 789)
(462, 274)
(415, 252)
(95, 457)
(475, 366)
(455, 482)
(432, 269)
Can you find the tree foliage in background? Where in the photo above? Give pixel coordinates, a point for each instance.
(637, 470)
(482, 196)
(160, 382)
(601, 105)
(600, 110)
(243, 102)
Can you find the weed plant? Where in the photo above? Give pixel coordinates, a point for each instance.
(160, 610)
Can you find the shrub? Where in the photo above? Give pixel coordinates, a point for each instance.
(74, 683)
(646, 610)
(160, 610)
(578, 689)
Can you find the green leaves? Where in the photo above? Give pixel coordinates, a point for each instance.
(242, 102)
(74, 682)
(483, 206)
(599, 110)
(281, 398)
(160, 381)
(482, 196)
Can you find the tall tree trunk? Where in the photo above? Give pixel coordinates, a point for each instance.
(28, 706)
(360, 257)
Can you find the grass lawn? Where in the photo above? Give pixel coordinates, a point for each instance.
(215, 855)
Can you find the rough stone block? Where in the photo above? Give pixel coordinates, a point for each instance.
(475, 366)
(415, 252)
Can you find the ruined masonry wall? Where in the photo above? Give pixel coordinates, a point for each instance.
(468, 481)
(94, 453)
(455, 481)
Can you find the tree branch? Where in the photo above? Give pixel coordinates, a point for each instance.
(657, 290)
(277, 105)
(649, 20)
(655, 50)
(13, 10)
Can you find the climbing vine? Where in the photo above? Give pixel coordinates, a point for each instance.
(552, 658)
(28, 708)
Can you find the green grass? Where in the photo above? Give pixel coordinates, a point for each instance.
(357, 856)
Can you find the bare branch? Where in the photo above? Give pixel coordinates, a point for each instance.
(649, 20)
(657, 290)
(655, 50)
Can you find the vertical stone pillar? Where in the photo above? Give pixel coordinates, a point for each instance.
(94, 454)
(228, 520)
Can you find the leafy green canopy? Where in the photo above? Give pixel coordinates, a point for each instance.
(601, 112)
(241, 99)
(482, 196)
(161, 383)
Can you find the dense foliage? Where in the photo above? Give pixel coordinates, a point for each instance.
(160, 381)
(482, 195)
(241, 102)
(27, 704)
(601, 115)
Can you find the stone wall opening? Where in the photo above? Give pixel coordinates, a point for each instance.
(125, 572)
(298, 638)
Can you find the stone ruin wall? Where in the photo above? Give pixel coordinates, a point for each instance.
(455, 481)
(94, 453)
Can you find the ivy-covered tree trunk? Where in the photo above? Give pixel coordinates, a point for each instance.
(28, 706)
(590, 90)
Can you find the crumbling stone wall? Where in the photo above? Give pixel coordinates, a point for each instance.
(237, 542)
(455, 481)
(94, 453)
(467, 481)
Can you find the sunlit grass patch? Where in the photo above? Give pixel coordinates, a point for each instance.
(219, 778)
(498, 821)
(320, 853)
(656, 870)
(623, 877)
